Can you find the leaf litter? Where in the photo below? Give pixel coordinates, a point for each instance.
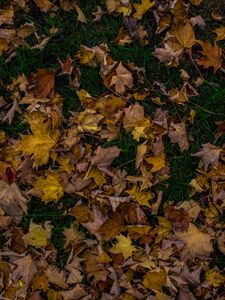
(112, 249)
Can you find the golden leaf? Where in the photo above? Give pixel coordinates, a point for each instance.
(38, 144)
(124, 246)
(50, 187)
(38, 235)
(97, 175)
(142, 8)
(140, 196)
(215, 278)
(155, 280)
(157, 162)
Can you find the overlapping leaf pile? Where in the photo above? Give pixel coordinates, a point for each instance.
(124, 241)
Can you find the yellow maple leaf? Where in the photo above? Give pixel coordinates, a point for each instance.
(97, 175)
(140, 196)
(157, 162)
(124, 246)
(163, 230)
(142, 8)
(88, 121)
(38, 144)
(50, 187)
(155, 280)
(215, 278)
(38, 235)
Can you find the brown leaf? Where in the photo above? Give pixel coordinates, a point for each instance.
(104, 156)
(42, 83)
(122, 79)
(177, 134)
(12, 200)
(213, 56)
(178, 217)
(11, 113)
(209, 155)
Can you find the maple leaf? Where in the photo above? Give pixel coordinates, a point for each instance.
(42, 83)
(45, 5)
(197, 244)
(104, 156)
(157, 162)
(213, 56)
(209, 155)
(38, 235)
(11, 113)
(124, 246)
(184, 36)
(6, 15)
(38, 144)
(177, 134)
(215, 278)
(178, 217)
(122, 79)
(140, 196)
(155, 280)
(142, 8)
(12, 200)
(94, 226)
(220, 32)
(88, 121)
(50, 187)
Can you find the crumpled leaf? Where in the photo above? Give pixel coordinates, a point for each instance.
(197, 244)
(142, 8)
(122, 79)
(177, 134)
(50, 187)
(124, 246)
(104, 156)
(209, 155)
(81, 17)
(38, 235)
(13, 202)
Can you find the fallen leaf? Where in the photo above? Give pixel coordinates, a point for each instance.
(215, 278)
(42, 83)
(13, 202)
(220, 32)
(177, 134)
(212, 56)
(157, 162)
(81, 17)
(50, 187)
(124, 246)
(197, 244)
(122, 79)
(142, 8)
(11, 113)
(155, 280)
(209, 155)
(104, 156)
(38, 235)
(38, 144)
